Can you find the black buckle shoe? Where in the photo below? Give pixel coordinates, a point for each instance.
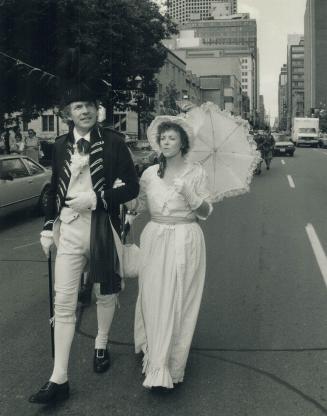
(50, 393)
(101, 360)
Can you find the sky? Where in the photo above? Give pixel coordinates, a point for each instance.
(275, 20)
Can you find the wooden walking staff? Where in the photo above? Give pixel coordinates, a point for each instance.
(124, 227)
(51, 305)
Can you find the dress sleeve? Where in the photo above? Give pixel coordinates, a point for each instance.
(202, 189)
(140, 204)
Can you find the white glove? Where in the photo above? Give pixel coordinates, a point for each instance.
(118, 183)
(83, 201)
(46, 241)
(182, 188)
(130, 218)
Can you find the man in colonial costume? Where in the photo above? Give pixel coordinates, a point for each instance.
(88, 164)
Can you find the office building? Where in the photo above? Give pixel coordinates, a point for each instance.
(223, 8)
(183, 11)
(315, 59)
(295, 77)
(261, 112)
(282, 98)
(296, 80)
(229, 37)
(220, 76)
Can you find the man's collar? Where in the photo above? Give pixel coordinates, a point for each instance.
(78, 136)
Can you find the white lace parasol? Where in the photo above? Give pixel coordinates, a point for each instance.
(225, 149)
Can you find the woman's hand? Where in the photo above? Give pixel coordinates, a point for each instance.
(184, 189)
(130, 218)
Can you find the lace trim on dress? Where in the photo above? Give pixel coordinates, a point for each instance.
(160, 376)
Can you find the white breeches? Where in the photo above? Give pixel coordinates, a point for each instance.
(72, 260)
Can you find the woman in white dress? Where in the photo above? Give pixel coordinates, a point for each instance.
(172, 253)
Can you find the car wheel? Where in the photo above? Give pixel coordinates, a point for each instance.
(43, 200)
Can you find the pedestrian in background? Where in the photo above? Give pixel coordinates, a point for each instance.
(20, 142)
(86, 163)
(267, 147)
(2, 143)
(6, 140)
(13, 146)
(32, 145)
(172, 253)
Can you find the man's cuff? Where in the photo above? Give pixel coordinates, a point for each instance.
(48, 225)
(102, 200)
(93, 201)
(46, 233)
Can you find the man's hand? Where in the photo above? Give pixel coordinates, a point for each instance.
(83, 201)
(118, 183)
(46, 241)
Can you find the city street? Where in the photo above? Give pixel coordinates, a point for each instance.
(260, 346)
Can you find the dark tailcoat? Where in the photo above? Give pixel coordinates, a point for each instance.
(109, 159)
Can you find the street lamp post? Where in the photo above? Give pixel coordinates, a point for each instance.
(56, 112)
(138, 85)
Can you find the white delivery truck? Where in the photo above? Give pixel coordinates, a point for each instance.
(305, 131)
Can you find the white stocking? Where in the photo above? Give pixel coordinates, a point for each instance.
(105, 312)
(64, 334)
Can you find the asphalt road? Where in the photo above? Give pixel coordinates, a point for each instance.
(260, 347)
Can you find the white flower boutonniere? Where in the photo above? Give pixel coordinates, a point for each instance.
(78, 163)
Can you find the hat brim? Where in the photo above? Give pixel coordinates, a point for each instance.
(152, 132)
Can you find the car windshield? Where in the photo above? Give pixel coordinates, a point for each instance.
(282, 138)
(307, 130)
(142, 145)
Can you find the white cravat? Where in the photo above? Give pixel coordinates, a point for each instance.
(80, 180)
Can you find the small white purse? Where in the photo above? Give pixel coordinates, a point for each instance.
(128, 255)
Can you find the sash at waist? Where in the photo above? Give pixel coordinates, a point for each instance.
(173, 220)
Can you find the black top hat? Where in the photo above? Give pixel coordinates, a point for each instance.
(79, 79)
(78, 92)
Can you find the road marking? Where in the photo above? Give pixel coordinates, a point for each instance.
(318, 250)
(290, 181)
(27, 245)
(283, 162)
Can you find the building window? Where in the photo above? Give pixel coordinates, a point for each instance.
(48, 123)
(120, 121)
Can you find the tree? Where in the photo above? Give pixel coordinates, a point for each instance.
(170, 98)
(118, 39)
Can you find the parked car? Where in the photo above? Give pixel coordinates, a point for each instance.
(142, 154)
(323, 141)
(23, 184)
(283, 145)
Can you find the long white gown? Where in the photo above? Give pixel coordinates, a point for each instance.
(171, 276)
